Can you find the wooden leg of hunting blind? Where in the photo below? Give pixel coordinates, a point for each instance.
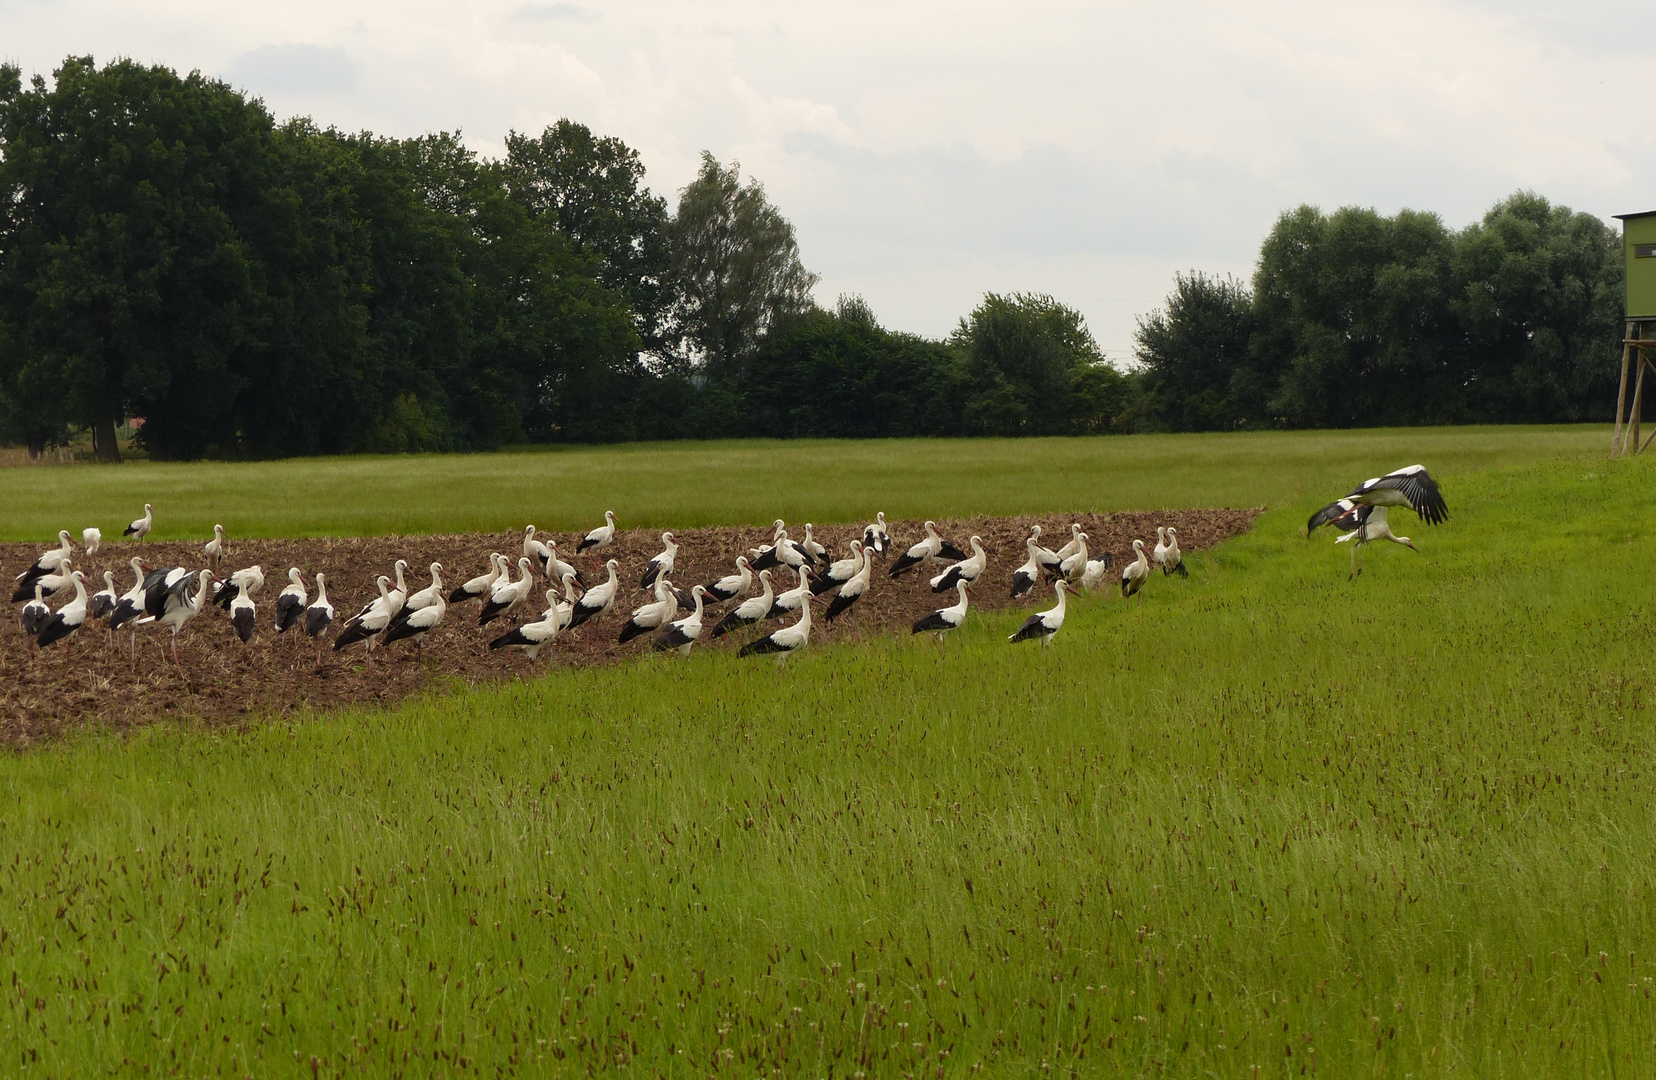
(1616, 444)
(1638, 403)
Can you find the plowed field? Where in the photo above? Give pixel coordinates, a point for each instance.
(96, 678)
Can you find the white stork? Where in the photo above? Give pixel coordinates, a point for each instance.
(749, 611)
(141, 526)
(175, 603)
(732, 585)
(291, 601)
(368, 623)
(131, 603)
(532, 637)
(1166, 553)
(840, 571)
(797, 597)
(966, 570)
(1366, 524)
(1092, 575)
(783, 552)
(479, 587)
(242, 611)
(1073, 564)
(941, 621)
(653, 615)
(784, 641)
(1070, 548)
(533, 548)
(430, 596)
(49, 584)
(215, 549)
(875, 536)
(682, 634)
(415, 625)
(557, 569)
(1041, 560)
(69, 618)
(320, 613)
(35, 614)
(1135, 573)
(1411, 486)
(560, 611)
(1045, 624)
(852, 590)
(103, 601)
(813, 550)
(241, 581)
(507, 595)
(49, 562)
(598, 599)
(662, 564)
(601, 537)
(925, 550)
(91, 539)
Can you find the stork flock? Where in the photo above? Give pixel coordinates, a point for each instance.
(172, 596)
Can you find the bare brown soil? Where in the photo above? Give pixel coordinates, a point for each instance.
(91, 678)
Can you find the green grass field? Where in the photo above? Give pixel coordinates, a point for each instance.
(684, 485)
(1268, 823)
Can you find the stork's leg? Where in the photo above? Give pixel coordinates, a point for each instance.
(175, 650)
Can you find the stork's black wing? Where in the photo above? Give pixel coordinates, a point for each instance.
(1342, 515)
(1416, 486)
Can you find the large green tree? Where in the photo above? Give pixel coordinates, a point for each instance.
(736, 267)
(1197, 373)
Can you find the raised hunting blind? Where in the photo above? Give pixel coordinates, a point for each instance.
(1639, 331)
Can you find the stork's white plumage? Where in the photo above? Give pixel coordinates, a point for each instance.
(1367, 524)
(508, 595)
(1072, 565)
(140, 527)
(840, 571)
(786, 640)
(925, 550)
(177, 602)
(795, 598)
(1093, 574)
(560, 611)
(941, 621)
(50, 584)
(532, 548)
(875, 537)
(966, 570)
(1041, 560)
(1171, 559)
(1070, 548)
(430, 596)
(1044, 624)
(50, 561)
(598, 599)
(216, 548)
(291, 601)
(1135, 573)
(251, 577)
(35, 614)
(653, 615)
(368, 623)
(103, 601)
(69, 618)
(683, 634)
(478, 588)
(91, 539)
(813, 550)
(131, 603)
(399, 594)
(319, 613)
(601, 537)
(557, 569)
(1410, 486)
(662, 564)
(783, 552)
(242, 611)
(852, 590)
(416, 624)
(749, 611)
(532, 637)
(732, 585)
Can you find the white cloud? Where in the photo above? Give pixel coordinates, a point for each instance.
(931, 151)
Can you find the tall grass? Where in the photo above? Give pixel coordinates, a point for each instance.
(682, 485)
(1267, 822)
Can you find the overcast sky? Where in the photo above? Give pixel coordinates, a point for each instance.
(929, 152)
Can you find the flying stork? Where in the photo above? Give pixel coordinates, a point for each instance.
(1365, 524)
(1411, 486)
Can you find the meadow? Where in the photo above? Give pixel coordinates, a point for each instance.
(1267, 823)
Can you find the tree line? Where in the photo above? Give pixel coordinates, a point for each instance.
(250, 288)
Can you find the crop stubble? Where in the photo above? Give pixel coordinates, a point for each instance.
(221, 680)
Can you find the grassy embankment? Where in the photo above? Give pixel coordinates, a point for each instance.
(1267, 823)
(684, 485)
